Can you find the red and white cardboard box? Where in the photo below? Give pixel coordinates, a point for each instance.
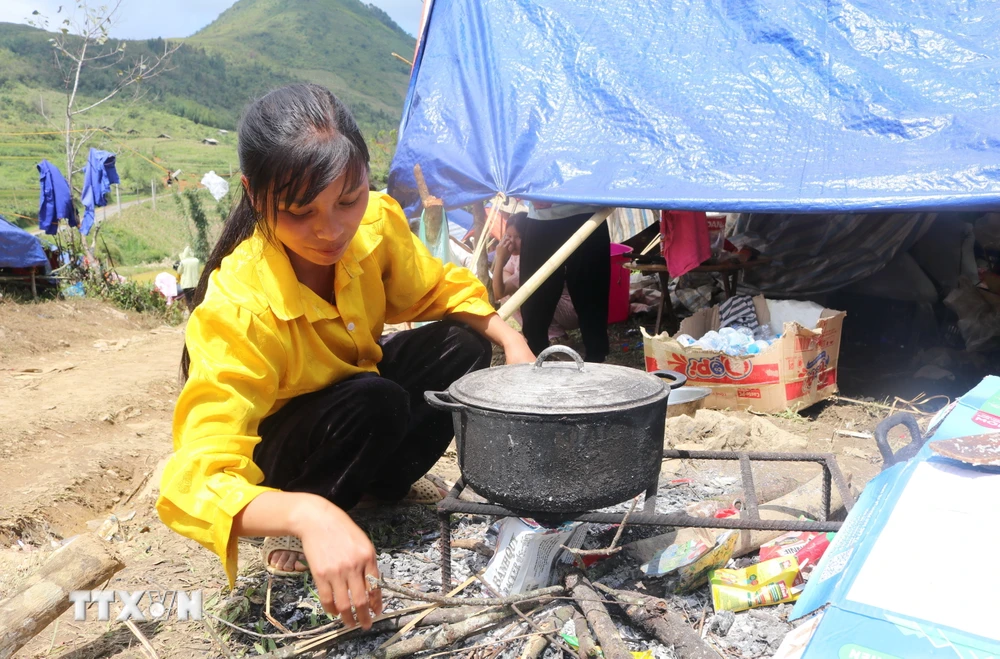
(798, 370)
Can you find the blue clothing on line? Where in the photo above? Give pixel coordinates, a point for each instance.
(98, 176)
(55, 199)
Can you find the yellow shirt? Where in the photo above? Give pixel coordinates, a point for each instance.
(261, 338)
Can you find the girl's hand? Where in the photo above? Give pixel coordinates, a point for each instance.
(516, 351)
(503, 251)
(340, 557)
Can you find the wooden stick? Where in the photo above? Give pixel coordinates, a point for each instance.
(654, 616)
(218, 641)
(402, 59)
(481, 646)
(447, 635)
(879, 405)
(607, 634)
(484, 237)
(548, 635)
(385, 623)
(550, 266)
(473, 544)
(613, 548)
(652, 243)
(536, 646)
(480, 266)
(83, 563)
(420, 616)
(444, 600)
(146, 645)
(267, 607)
(584, 638)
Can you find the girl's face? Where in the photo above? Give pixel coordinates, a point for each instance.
(320, 231)
(513, 239)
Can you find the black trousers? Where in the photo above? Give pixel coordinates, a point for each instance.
(587, 274)
(371, 434)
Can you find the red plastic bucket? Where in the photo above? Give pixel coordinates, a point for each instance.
(619, 293)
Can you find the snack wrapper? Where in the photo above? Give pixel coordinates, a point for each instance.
(764, 584)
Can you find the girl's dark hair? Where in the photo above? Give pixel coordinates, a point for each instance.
(518, 221)
(292, 143)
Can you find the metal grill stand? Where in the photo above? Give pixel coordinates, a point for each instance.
(749, 518)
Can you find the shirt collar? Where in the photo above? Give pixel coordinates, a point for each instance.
(287, 297)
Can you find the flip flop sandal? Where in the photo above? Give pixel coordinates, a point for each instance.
(282, 543)
(423, 493)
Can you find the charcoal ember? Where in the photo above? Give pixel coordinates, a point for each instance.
(721, 622)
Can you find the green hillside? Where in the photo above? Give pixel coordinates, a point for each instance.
(253, 46)
(342, 44)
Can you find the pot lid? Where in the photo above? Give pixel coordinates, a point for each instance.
(558, 387)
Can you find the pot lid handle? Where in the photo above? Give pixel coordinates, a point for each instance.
(565, 350)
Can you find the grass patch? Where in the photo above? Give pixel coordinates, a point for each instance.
(140, 235)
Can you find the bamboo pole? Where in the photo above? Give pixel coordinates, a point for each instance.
(481, 266)
(82, 564)
(556, 260)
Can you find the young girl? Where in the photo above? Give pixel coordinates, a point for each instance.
(295, 407)
(507, 279)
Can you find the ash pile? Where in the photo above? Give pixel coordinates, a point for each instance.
(522, 589)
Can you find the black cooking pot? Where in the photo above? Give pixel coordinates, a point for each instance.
(557, 436)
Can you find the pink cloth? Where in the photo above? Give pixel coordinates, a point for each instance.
(565, 315)
(685, 240)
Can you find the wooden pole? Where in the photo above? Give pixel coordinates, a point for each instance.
(82, 564)
(556, 260)
(152, 186)
(433, 208)
(480, 251)
(481, 266)
(34, 287)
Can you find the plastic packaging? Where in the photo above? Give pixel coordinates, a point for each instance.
(763, 333)
(767, 583)
(685, 340)
(527, 552)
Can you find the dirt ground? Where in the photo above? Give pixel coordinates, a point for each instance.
(86, 394)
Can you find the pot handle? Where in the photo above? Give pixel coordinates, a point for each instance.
(564, 350)
(442, 400)
(677, 380)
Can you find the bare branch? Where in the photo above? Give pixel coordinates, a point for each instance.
(140, 70)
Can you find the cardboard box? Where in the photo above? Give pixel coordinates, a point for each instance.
(799, 369)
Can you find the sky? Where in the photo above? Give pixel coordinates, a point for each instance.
(144, 19)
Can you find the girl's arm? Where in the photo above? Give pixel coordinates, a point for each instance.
(494, 329)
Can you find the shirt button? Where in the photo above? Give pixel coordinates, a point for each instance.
(350, 327)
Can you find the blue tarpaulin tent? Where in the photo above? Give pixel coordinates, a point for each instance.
(721, 105)
(18, 248)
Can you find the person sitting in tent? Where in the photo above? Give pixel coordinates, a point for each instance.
(189, 269)
(507, 279)
(586, 274)
(295, 407)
